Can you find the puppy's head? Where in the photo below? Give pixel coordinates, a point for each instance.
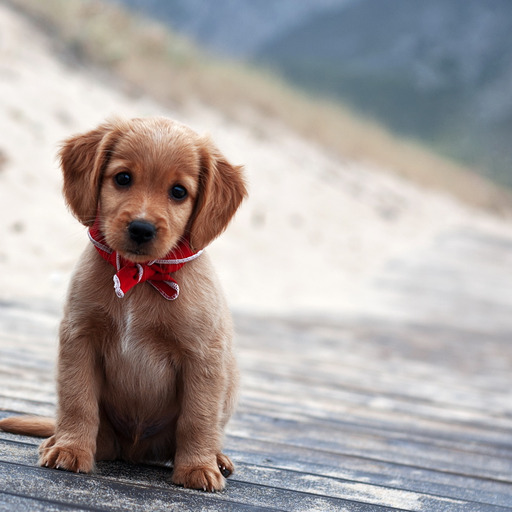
(152, 182)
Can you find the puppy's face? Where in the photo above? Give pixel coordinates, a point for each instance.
(148, 191)
(151, 181)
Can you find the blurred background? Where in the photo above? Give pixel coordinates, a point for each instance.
(369, 270)
(437, 71)
(375, 136)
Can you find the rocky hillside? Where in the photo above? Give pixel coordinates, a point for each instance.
(438, 70)
(235, 28)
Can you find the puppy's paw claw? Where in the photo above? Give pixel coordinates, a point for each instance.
(67, 457)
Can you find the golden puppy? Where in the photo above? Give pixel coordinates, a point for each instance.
(144, 374)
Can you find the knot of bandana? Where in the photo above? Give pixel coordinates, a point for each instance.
(157, 272)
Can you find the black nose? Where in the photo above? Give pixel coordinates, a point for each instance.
(141, 231)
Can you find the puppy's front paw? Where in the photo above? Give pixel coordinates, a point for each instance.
(65, 456)
(205, 478)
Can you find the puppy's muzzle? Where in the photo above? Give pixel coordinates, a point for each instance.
(141, 231)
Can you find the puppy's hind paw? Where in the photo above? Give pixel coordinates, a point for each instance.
(226, 467)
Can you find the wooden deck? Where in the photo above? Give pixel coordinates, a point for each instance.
(335, 414)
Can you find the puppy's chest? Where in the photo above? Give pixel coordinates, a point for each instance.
(143, 357)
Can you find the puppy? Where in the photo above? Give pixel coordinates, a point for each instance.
(146, 370)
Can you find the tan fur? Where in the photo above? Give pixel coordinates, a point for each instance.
(29, 426)
(141, 378)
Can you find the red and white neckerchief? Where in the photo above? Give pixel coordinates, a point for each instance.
(157, 272)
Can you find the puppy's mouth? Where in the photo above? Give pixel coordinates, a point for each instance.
(142, 253)
(138, 254)
(137, 251)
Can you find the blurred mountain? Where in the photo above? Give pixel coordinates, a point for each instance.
(437, 71)
(236, 28)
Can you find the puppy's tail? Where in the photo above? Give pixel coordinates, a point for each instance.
(29, 426)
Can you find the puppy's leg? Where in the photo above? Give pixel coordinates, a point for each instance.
(198, 461)
(73, 445)
(226, 467)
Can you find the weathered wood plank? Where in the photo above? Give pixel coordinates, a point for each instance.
(276, 457)
(24, 406)
(462, 278)
(10, 502)
(61, 487)
(312, 489)
(396, 450)
(117, 486)
(389, 413)
(332, 416)
(383, 473)
(263, 421)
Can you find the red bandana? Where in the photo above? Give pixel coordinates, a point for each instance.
(157, 272)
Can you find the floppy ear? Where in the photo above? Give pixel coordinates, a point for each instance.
(221, 190)
(83, 158)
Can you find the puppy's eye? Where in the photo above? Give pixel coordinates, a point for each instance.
(123, 179)
(178, 192)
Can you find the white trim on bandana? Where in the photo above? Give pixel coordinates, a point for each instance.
(117, 287)
(164, 295)
(141, 272)
(177, 262)
(101, 246)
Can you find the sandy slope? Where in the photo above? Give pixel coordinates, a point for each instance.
(313, 235)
